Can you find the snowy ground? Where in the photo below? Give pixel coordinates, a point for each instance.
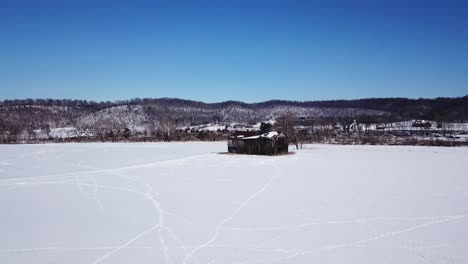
(183, 203)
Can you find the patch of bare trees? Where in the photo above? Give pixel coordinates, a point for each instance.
(286, 125)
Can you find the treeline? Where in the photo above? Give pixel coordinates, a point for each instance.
(141, 114)
(111, 135)
(105, 104)
(161, 119)
(446, 109)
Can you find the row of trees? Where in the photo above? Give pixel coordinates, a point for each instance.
(299, 131)
(296, 129)
(444, 109)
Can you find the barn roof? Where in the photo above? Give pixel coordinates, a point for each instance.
(242, 134)
(272, 134)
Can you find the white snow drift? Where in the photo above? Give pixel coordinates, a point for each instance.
(184, 203)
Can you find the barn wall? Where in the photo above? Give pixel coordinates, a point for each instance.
(260, 146)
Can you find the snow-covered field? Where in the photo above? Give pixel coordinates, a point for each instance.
(184, 203)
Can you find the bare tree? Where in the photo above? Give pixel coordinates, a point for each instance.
(31, 135)
(47, 130)
(167, 126)
(127, 133)
(285, 124)
(13, 134)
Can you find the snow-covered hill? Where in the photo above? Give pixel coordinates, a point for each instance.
(140, 116)
(33, 120)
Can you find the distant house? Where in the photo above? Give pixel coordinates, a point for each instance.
(271, 143)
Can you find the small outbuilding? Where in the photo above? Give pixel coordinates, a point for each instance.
(271, 143)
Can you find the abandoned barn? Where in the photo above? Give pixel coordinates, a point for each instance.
(271, 143)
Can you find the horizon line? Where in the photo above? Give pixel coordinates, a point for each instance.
(233, 101)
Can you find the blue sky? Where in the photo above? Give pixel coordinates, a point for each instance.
(233, 50)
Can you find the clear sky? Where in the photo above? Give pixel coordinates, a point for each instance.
(244, 50)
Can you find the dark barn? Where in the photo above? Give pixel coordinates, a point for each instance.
(271, 143)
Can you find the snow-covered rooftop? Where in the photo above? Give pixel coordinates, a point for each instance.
(271, 134)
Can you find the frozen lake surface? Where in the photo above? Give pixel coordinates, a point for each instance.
(184, 203)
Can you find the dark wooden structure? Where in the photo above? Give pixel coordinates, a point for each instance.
(271, 143)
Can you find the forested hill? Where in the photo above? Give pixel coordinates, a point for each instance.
(148, 113)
